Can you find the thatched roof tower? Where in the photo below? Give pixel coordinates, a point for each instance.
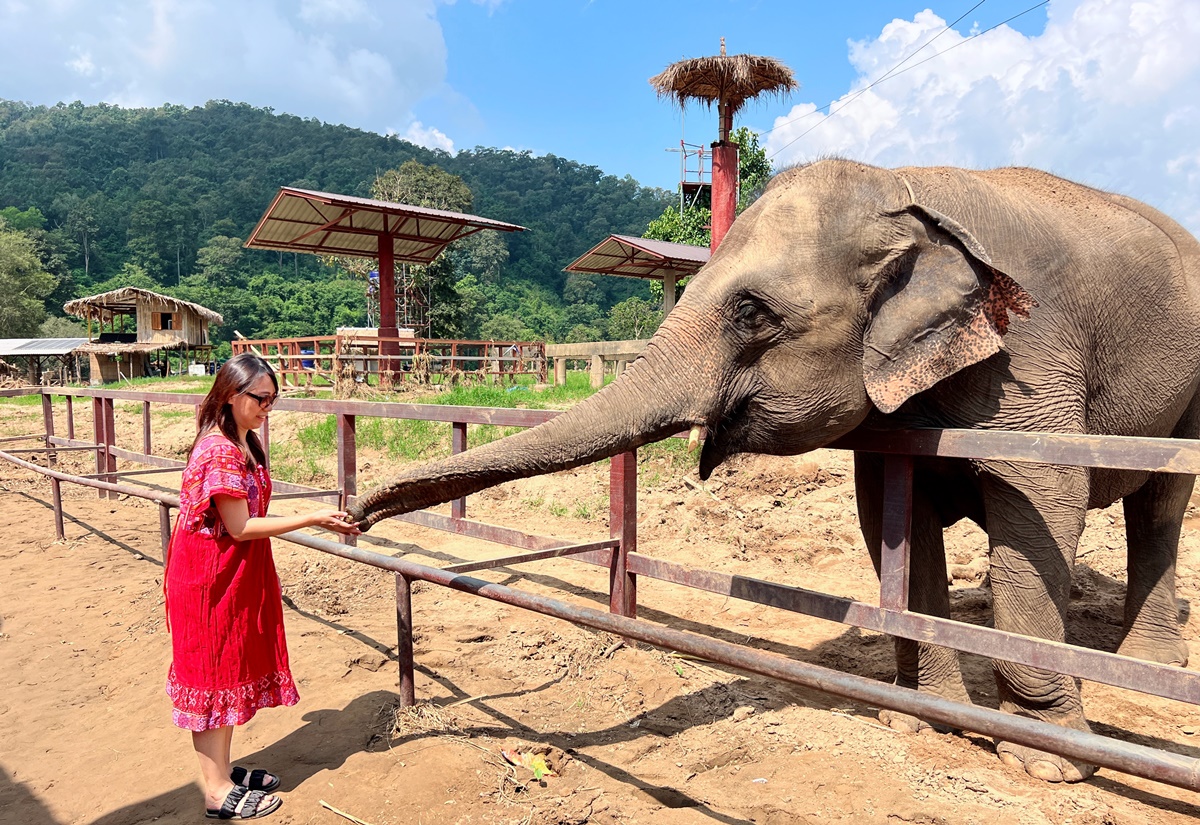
(728, 80)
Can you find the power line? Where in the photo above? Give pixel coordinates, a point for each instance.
(892, 73)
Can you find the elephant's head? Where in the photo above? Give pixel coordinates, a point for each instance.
(834, 293)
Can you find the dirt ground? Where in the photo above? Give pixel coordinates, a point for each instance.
(630, 734)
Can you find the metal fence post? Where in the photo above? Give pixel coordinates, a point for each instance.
(264, 435)
(56, 491)
(404, 637)
(622, 524)
(110, 441)
(98, 439)
(164, 529)
(347, 458)
(70, 418)
(146, 427)
(897, 527)
(458, 444)
(48, 418)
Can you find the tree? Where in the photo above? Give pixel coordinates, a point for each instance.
(754, 170)
(220, 262)
(24, 285)
(633, 318)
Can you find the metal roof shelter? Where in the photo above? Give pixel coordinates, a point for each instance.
(10, 347)
(322, 223)
(632, 257)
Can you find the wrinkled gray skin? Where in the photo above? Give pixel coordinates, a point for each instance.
(849, 294)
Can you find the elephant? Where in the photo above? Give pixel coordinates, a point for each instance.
(849, 296)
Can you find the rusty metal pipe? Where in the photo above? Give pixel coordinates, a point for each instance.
(1138, 760)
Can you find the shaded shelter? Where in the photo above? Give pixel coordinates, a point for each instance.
(35, 357)
(630, 257)
(324, 223)
(161, 325)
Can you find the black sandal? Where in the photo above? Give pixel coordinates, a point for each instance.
(255, 780)
(243, 803)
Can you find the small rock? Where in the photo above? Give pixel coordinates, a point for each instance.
(1190, 730)
(743, 713)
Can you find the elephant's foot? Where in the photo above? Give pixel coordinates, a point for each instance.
(1164, 651)
(1047, 767)
(953, 690)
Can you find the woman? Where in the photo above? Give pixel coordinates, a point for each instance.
(224, 603)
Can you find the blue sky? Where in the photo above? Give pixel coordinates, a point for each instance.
(1099, 90)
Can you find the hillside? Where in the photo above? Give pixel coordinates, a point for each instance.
(159, 192)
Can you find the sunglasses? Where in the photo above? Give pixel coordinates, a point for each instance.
(264, 401)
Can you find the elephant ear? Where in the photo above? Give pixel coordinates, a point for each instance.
(945, 308)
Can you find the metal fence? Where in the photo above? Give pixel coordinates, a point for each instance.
(344, 360)
(619, 553)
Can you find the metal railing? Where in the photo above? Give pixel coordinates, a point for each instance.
(619, 554)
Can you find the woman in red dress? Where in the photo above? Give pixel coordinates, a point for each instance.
(224, 602)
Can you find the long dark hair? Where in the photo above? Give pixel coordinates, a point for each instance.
(236, 376)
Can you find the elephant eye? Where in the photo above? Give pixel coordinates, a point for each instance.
(750, 314)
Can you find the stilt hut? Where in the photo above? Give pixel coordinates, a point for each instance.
(133, 332)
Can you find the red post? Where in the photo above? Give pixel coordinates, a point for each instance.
(622, 524)
(70, 418)
(724, 189)
(389, 346)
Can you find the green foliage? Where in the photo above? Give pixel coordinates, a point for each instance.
(58, 327)
(632, 319)
(168, 193)
(754, 170)
(24, 285)
(691, 227)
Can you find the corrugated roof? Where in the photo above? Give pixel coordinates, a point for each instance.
(39, 346)
(640, 258)
(126, 299)
(322, 223)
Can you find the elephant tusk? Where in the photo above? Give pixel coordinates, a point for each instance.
(694, 439)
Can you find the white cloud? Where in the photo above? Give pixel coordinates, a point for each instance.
(428, 136)
(1103, 95)
(365, 63)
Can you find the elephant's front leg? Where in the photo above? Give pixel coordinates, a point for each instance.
(1035, 515)
(925, 667)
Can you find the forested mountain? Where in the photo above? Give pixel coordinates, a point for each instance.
(159, 196)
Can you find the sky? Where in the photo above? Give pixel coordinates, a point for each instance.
(1101, 91)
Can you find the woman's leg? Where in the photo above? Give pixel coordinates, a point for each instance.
(212, 747)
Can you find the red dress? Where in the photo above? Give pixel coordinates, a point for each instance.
(224, 602)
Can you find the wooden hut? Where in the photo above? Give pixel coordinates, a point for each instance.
(122, 348)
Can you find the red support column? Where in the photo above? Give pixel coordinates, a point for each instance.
(389, 347)
(724, 189)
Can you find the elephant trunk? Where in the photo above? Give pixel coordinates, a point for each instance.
(654, 399)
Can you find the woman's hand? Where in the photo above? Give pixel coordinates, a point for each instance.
(334, 520)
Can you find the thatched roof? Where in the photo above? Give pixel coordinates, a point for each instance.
(733, 78)
(119, 348)
(124, 301)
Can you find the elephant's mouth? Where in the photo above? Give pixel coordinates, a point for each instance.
(724, 438)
